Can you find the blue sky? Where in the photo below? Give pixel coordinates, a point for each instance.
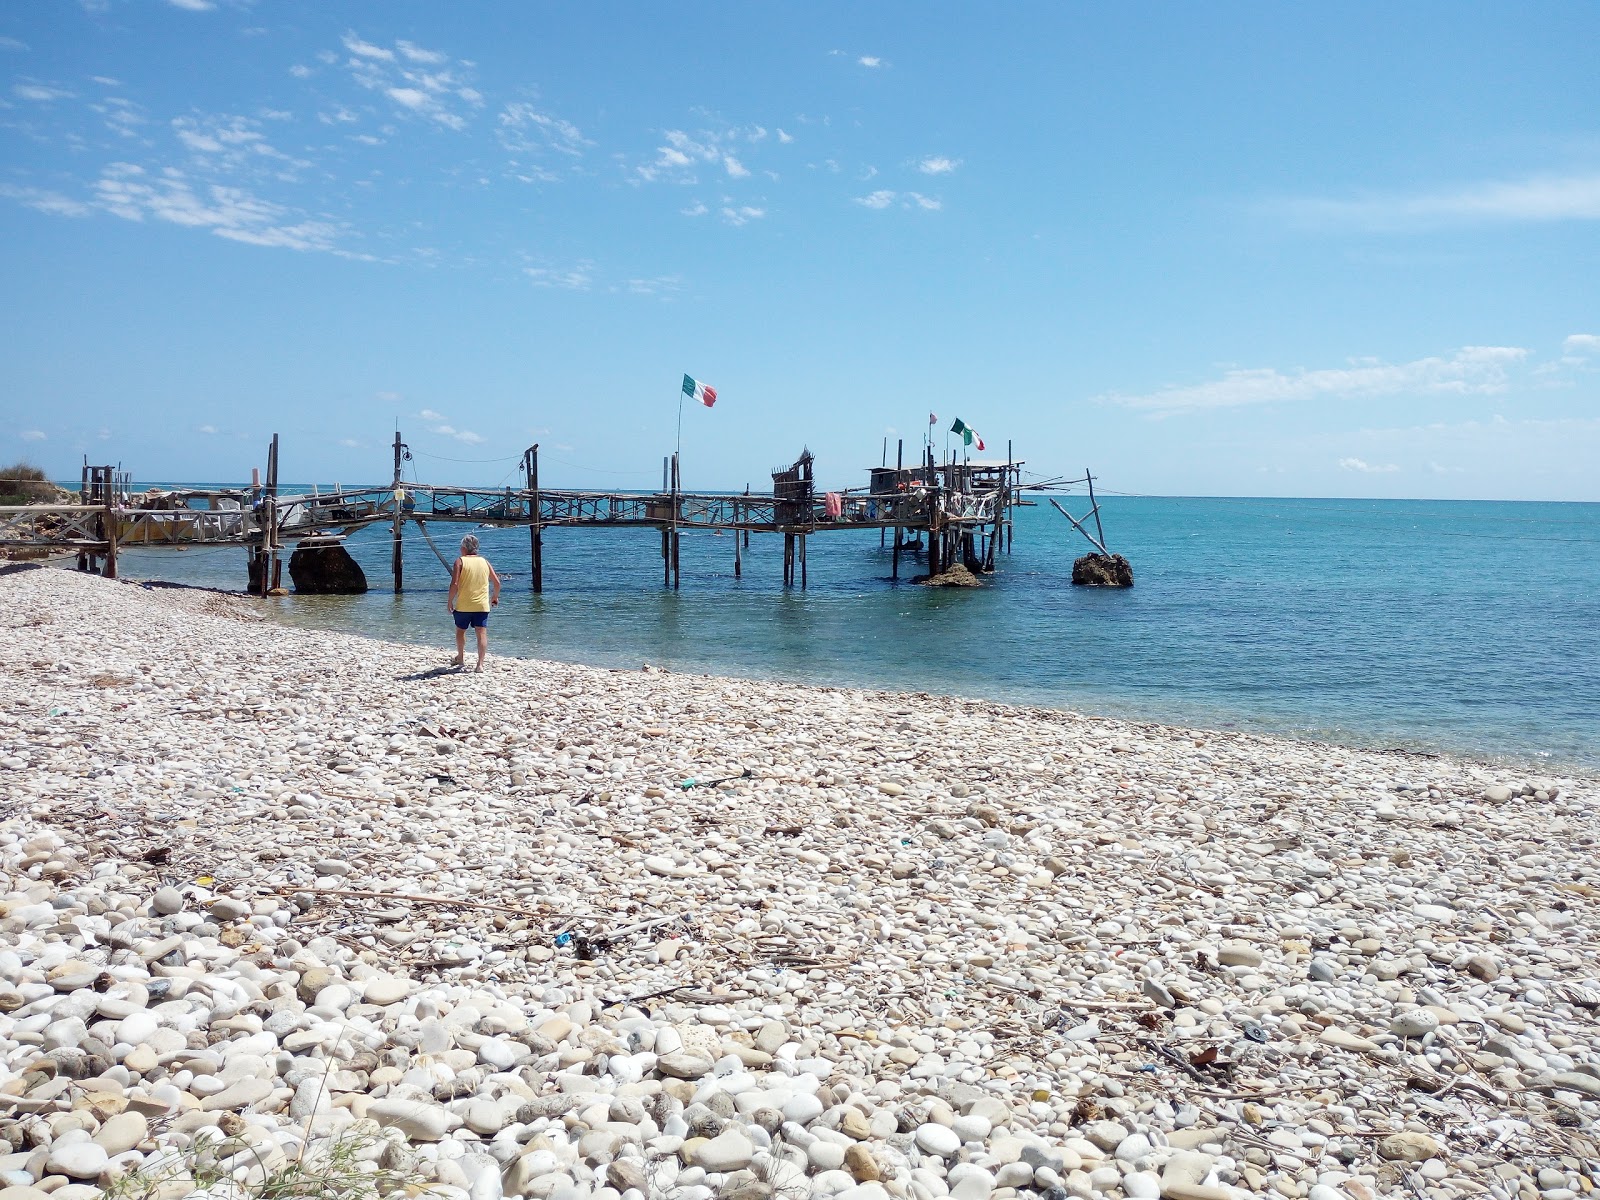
(1224, 249)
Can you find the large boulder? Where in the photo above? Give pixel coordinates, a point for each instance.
(1102, 570)
(326, 568)
(956, 576)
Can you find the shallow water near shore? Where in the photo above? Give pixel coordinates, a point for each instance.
(1459, 626)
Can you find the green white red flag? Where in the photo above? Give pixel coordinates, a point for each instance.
(969, 435)
(703, 393)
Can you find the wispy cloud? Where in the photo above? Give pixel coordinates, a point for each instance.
(206, 429)
(193, 5)
(11, 43)
(1472, 370)
(682, 153)
(426, 414)
(938, 165)
(420, 82)
(871, 61)
(575, 279)
(32, 435)
(1538, 198)
(884, 198)
(53, 203)
(741, 214)
(40, 93)
(1366, 468)
(523, 129)
(129, 191)
(460, 435)
(234, 142)
(1582, 343)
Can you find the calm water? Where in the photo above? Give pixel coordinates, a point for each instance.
(1472, 627)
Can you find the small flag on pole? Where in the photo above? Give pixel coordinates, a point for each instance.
(933, 418)
(702, 392)
(969, 435)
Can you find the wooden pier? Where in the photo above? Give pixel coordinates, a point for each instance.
(959, 512)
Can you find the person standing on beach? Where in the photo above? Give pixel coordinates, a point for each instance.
(474, 590)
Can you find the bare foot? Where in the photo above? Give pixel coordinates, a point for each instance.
(477, 669)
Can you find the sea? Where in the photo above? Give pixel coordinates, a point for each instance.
(1420, 626)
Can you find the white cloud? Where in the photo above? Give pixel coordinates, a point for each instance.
(53, 203)
(31, 435)
(350, 444)
(1537, 198)
(192, 5)
(785, 138)
(938, 165)
(654, 287)
(884, 198)
(573, 279)
(300, 71)
(128, 191)
(412, 98)
(40, 92)
(232, 143)
(523, 129)
(697, 209)
(1356, 464)
(422, 82)
(460, 435)
(735, 168)
(742, 214)
(1582, 343)
(205, 429)
(1472, 370)
(363, 49)
(11, 43)
(415, 53)
(870, 60)
(426, 414)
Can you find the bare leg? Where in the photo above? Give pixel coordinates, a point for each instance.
(460, 660)
(483, 645)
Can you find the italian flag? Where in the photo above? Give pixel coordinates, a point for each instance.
(969, 435)
(703, 392)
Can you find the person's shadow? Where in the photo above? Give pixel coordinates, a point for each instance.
(434, 673)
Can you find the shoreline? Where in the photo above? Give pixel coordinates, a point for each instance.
(882, 945)
(1531, 762)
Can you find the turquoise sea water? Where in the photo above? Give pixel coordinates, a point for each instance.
(1464, 626)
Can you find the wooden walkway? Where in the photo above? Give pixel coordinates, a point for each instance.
(960, 510)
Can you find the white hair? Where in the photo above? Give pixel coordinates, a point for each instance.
(469, 544)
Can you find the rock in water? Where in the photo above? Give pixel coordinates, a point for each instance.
(1102, 570)
(326, 568)
(956, 576)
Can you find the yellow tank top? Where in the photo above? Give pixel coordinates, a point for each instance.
(472, 595)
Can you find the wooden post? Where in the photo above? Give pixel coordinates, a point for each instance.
(899, 477)
(275, 572)
(396, 563)
(677, 484)
(802, 562)
(738, 561)
(535, 530)
(747, 517)
(110, 519)
(1094, 507)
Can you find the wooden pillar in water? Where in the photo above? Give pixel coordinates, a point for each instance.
(899, 468)
(276, 566)
(535, 530)
(738, 562)
(396, 561)
(802, 562)
(677, 485)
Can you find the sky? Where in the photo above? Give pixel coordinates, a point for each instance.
(1230, 249)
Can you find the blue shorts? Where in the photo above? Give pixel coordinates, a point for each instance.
(466, 620)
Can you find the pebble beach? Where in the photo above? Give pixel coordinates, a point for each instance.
(275, 901)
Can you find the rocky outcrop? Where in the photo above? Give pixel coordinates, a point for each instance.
(956, 576)
(326, 569)
(1102, 570)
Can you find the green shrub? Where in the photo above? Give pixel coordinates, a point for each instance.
(23, 483)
